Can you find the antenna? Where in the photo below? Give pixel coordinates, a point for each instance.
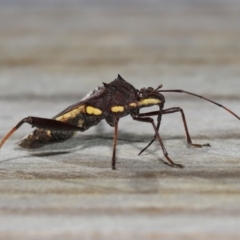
(209, 100)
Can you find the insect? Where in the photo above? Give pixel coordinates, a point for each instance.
(111, 102)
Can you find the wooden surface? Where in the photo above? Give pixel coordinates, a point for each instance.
(51, 55)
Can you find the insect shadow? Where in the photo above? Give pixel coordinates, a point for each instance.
(79, 143)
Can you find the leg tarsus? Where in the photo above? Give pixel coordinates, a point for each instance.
(189, 140)
(175, 165)
(199, 145)
(171, 163)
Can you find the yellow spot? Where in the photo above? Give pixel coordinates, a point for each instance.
(80, 123)
(133, 104)
(94, 111)
(149, 101)
(49, 133)
(71, 114)
(117, 109)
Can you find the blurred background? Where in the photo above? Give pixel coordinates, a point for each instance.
(53, 52)
(66, 48)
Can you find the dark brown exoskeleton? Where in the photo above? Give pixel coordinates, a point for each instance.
(110, 102)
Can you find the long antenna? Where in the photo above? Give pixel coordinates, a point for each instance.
(209, 100)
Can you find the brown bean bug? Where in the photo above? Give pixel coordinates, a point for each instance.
(110, 102)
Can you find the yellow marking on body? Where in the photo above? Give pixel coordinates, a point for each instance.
(133, 104)
(149, 101)
(80, 122)
(71, 114)
(117, 109)
(92, 110)
(49, 133)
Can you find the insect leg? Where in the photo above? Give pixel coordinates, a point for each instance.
(45, 123)
(158, 125)
(168, 111)
(189, 140)
(115, 143)
(150, 120)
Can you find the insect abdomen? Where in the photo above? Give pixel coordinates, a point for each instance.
(41, 137)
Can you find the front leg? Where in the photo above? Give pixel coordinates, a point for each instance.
(168, 111)
(189, 140)
(150, 120)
